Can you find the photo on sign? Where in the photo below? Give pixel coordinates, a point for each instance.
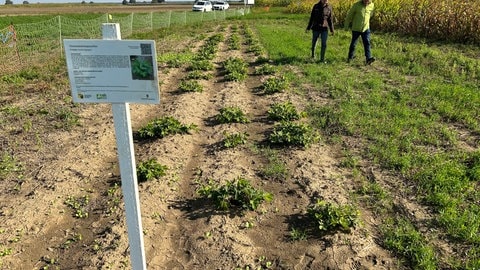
(142, 67)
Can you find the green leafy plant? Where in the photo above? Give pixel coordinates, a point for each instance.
(256, 48)
(331, 217)
(275, 85)
(265, 69)
(237, 193)
(8, 165)
(231, 115)
(174, 60)
(235, 69)
(190, 86)
(203, 65)
(235, 139)
(6, 251)
(114, 199)
(162, 127)
(150, 169)
(297, 234)
(198, 74)
(233, 42)
(206, 53)
(290, 133)
(78, 205)
(285, 111)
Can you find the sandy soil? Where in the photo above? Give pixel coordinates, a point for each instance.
(181, 229)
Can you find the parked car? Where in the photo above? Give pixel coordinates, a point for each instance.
(202, 6)
(221, 5)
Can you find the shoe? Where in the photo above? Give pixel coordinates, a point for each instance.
(370, 60)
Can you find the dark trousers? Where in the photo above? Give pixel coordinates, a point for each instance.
(366, 44)
(323, 34)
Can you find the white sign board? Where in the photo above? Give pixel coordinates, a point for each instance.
(112, 71)
(249, 2)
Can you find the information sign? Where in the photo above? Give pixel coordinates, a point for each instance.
(112, 71)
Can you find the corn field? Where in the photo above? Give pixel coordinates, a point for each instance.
(445, 20)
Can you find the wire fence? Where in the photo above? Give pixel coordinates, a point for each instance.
(24, 44)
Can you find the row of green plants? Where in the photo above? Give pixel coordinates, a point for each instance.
(239, 194)
(412, 114)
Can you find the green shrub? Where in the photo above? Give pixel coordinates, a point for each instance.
(231, 115)
(265, 69)
(236, 69)
(235, 139)
(332, 217)
(204, 65)
(275, 85)
(150, 169)
(190, 86)
(290, 133)
(238, 193)
(234, 42)
(199, 74)
(284, 112)
(162, 127)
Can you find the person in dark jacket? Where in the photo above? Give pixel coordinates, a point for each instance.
(321, 20)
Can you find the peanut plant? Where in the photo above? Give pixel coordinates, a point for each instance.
(331, 217)
(190, 86)
(293, 134)
(285, 111)
(162, 127)
(231, 115)
(275, 84)
(235, 139)
(149, 170)
(238, 193)
(235, 69)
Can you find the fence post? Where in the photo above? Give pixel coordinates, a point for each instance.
(169, 18)
(60, 34)
(151, 20)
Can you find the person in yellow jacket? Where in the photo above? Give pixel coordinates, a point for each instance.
(358, 20)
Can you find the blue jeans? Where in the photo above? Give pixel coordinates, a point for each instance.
(366, 44)
(323, 36)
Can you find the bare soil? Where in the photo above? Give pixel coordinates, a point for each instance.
(181, 229)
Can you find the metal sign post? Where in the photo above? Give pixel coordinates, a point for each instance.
(118, 72)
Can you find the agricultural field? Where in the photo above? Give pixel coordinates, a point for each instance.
(257, 157)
